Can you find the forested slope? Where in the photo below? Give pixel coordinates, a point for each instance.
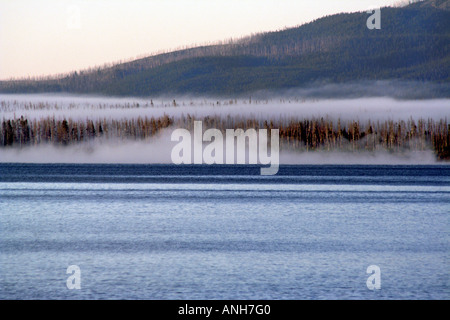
(412, 44)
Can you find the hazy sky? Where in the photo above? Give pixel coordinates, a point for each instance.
(41, 37)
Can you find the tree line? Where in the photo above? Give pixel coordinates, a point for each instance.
(295, 134)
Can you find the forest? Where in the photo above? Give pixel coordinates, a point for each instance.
(302, 135)
(413, 44)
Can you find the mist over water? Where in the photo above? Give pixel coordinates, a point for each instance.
(294, 104)
(162, 231)
(155, 150)
(79, 107)
(158, 150)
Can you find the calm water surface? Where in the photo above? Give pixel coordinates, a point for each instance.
(206, 232)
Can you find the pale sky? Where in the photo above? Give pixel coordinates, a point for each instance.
(46, 37)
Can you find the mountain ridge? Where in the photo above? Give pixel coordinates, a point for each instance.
(412, 45)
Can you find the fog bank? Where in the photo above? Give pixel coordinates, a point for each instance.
(79, 108)
(158, 151)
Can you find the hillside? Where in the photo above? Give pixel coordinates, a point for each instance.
(413, 44)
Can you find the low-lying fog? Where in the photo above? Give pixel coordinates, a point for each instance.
(79, 108)
(158, 149)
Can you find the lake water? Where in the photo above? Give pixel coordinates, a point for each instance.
(224, 232)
